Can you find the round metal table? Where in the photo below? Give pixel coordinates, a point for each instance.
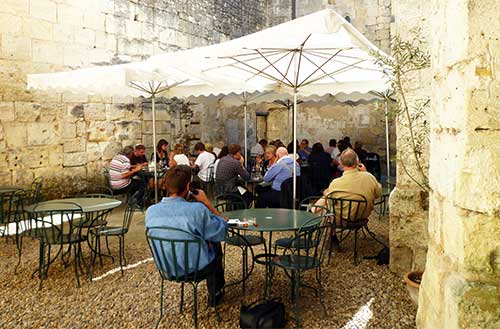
(272, 220)
(87, 204)
(9, 189)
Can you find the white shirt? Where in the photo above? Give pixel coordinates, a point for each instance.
(181, 159)
(335, 152)
(204, 160)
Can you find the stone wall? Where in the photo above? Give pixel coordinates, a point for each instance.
(461, 283)
(67, 138)
(370, 17)
(408, 202)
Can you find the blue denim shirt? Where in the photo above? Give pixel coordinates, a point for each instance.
(192, 217)
(280, 171)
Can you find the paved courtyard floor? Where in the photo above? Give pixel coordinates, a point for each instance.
(367, 295)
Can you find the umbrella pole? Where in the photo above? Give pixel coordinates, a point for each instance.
(245, 128)
(153, 111)
(294, 146)
(387, 139)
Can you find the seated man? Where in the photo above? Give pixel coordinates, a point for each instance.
(355, 181)
(277, 173)
(139, 156)
(203, 161)
(121, 172)
(229, 168)
(198, 217)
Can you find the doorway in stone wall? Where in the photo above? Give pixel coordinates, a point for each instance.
(261, 125)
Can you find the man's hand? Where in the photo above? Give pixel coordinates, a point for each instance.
(361, 167)
(200, 197)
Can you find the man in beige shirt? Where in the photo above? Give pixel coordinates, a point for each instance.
(355, 184)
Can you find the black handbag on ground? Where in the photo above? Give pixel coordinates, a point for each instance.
(266, 315)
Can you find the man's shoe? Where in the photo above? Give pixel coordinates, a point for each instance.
(217, 300)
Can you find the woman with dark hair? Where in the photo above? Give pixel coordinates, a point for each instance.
(161, 153)
(320, 163)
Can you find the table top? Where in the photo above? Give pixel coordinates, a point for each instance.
(87, 204)
(9, 189)
(273, 219)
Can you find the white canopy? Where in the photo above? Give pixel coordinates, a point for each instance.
(334, 58)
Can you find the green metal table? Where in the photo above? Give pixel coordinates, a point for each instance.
(271, 220)
(88, 205)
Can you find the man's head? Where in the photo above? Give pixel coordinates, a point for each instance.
(349, 159)
(139, 151)
(199, 147)
(333, 142)
(281, 152)
(128, 151)
(234, 150)
(304, 143)
(177, 180)
(263, 143)
(358, 145)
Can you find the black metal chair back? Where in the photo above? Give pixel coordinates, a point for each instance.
(229, 202)
(313, 241)
(35, 192)
(7, 207)
(347, 210)
(60, 223)
(172, 250)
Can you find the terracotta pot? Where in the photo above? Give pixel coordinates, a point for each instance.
(412, 280)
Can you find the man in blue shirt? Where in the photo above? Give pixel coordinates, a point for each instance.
(277, 174)
(199, 218)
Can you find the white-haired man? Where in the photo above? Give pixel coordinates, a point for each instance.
(277, 174)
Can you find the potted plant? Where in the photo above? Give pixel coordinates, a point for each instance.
(413, 280)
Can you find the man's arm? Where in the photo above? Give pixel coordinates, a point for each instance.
(272, 172)
(202, 198)
(132, 171)
(243, 173)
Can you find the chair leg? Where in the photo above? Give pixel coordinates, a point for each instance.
(320, 283)
(120, 242)
(161, 304)
(244, 268)
(356, 247)
(76, 265)
(182, 297)
(19, 252)
(123, 244)
(297, 299)
(195, 314)
(41, 264)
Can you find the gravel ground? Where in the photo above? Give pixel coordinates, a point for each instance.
(354, 295)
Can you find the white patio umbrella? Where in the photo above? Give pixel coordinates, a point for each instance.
(328, 55)
(134, 79)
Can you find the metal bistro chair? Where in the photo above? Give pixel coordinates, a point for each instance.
(305, 205)
(59, 224)
(166, 244)
(347, 217)
(7, 212)
(96, 232)
(229, 202)
(310, 256)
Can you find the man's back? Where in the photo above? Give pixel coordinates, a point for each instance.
(118, 166)
(280, 171)
(357, 182)
(203, 161)
(192, 217)
(228, 170)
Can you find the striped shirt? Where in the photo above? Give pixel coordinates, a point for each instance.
(118, 166)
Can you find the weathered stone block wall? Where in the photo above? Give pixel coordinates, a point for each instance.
(461, 283)
(67, 138)
(408, 203)
(370, 17)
